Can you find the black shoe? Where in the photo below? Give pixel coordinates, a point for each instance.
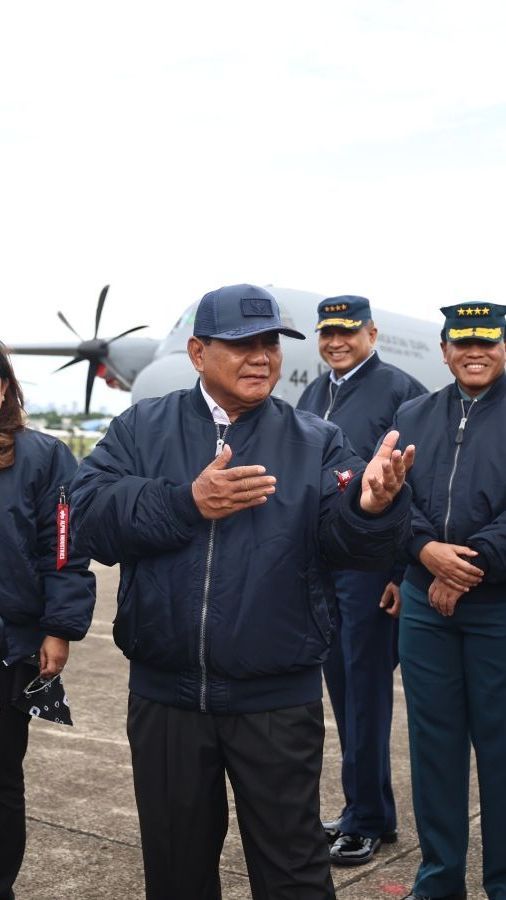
(332, 829)
(413, 896)
(355, 849)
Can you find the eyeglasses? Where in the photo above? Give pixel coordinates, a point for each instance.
(39, 684)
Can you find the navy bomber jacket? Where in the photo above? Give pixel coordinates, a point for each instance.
(458, 481)
(234, 615)
(35, 599)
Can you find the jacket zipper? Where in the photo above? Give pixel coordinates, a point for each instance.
(459, 437)
(220, 440)
(332, 399)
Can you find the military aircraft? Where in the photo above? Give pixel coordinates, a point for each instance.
(151, 368)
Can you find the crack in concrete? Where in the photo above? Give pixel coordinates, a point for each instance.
(82, 832)
(360, 876)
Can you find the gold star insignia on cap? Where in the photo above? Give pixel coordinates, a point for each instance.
(485, 310)
(460, 311)
(469, 311)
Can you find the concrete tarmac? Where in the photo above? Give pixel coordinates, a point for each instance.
(83, 838)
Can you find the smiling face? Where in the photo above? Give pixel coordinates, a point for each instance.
(342, 349)
(238, 375)
(475, 364)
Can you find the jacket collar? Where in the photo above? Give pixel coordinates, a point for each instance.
(370, 363)
(203, 410)
(497, 389)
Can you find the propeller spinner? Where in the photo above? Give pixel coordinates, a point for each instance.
(95, 350)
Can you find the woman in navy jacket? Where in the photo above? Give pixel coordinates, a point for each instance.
(42, 607)
(453, 620)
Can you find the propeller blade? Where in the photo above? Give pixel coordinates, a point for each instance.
(92, 371)
(100, 306)
(77, 359)
(67, 323)
(130, 330)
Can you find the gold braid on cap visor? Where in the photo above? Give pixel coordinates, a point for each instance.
(343, 323)
(490, 334)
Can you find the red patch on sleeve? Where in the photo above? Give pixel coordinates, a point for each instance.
(343, 479)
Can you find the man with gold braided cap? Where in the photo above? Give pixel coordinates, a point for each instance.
(361, 393)
(453, 618)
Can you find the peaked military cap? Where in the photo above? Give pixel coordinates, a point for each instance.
(237, 311)
(479, 320)
(347, 311)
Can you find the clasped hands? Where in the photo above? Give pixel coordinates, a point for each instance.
(454, 575)
(220, 491)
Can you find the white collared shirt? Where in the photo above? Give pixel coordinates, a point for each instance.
(335, 380)
(219, 415)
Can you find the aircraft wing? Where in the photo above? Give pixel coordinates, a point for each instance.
(64, 349)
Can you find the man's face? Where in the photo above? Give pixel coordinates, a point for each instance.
(238, 374)
(475, 364)
(342, 350)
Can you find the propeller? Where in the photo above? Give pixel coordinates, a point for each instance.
(95, 350)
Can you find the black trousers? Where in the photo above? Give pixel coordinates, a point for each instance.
(273, 760)
(13, 744)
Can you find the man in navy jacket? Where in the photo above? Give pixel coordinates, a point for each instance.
(227, 509)
(361, 393)
(453, 619)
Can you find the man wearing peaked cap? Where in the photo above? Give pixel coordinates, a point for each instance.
(349, 313)
(221, 504)
(360, 393)
(453, 619)
(481, 321)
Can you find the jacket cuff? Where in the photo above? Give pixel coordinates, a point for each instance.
(480, 561)
(397, 573)
(64, 634)
(183, 504)
(390, 516)
(417, 543)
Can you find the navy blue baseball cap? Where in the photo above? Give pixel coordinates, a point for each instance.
(237, 311)
(347, 312)
(481, 321)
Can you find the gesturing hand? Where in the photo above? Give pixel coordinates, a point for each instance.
(385, 474)
(219, 491)
(445, 562)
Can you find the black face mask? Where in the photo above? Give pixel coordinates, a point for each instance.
(42, 698)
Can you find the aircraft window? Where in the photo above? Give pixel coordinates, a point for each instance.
(186, 319)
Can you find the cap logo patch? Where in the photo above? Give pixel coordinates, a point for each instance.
(473, 311)
(489, 334)
(256, 306)
(336, 307)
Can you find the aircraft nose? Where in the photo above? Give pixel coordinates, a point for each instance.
(168, 373)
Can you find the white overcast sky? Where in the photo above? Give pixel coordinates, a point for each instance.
(168, 148)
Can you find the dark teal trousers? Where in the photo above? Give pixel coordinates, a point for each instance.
(454, 674)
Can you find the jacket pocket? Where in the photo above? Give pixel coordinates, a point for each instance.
(321, 598)
(124, 626)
